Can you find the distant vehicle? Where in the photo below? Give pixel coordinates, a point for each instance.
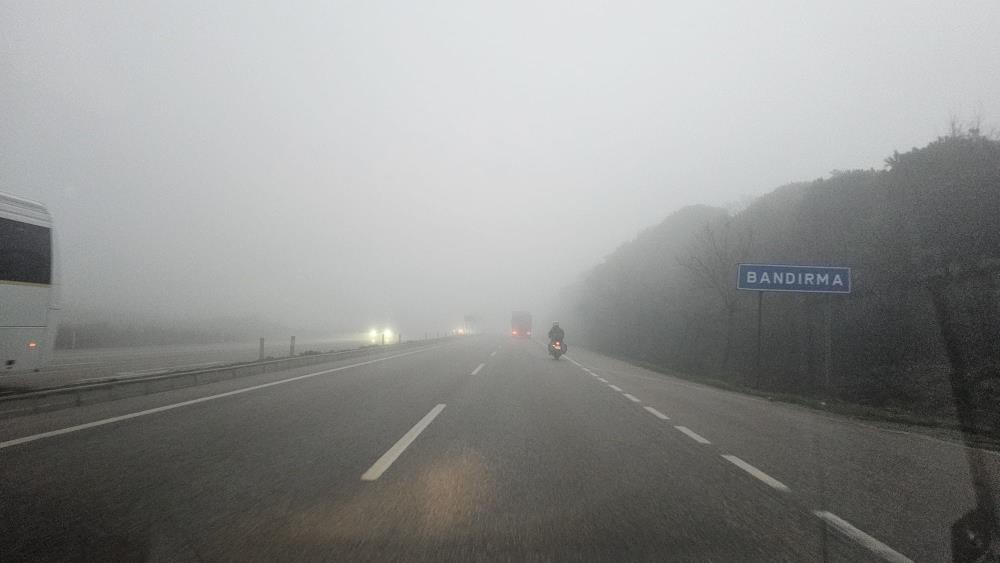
(520, 324)
(27, 285)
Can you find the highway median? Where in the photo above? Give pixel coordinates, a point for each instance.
(32, 401)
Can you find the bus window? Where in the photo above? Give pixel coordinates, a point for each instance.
(25, 252)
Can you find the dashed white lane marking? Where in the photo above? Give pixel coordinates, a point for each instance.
(844, 527)
(383, 463)
(479, 367)
(771, 481)
(693, 435)
(833, 520)
(493, 353)
(114, 419)
(657, 413)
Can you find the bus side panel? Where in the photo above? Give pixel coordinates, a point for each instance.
(25, 342)
(16, 352)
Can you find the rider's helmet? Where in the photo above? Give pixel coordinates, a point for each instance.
(555, 323)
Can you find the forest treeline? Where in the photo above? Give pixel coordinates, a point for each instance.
(922, 237)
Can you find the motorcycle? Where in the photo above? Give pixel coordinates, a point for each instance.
(557, 348)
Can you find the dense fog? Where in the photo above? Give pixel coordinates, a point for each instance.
(334, 167)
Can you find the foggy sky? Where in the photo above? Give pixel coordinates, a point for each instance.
(405, 163)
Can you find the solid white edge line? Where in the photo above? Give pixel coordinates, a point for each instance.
(602, 380)
(479, 367)
(657, 413)
(771, 481)
(112, 420)
(844, 527)
(631, 397)
(692, 434)
(615, 387)
(387, 459)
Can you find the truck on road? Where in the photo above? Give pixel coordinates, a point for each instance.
(520, 324)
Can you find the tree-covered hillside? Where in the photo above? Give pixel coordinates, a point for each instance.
(923, 242)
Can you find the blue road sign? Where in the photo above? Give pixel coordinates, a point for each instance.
(807, 279)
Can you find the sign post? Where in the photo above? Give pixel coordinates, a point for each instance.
(796, 279)
(760, 310)
(828, 352)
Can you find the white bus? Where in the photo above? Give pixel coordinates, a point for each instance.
(27, 285)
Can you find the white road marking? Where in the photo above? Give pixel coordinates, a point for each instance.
(493, 353)
(632, 398)
(657, 413)
(771, 481)
(615, 387)
(660, 378)
(844, 527)
(112, 420)
(479, 367)
(383, 463)
(693, 435)
(602, 380)
(574, 362)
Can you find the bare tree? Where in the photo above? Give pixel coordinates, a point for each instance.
(711, 260)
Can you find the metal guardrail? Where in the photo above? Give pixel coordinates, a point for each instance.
(75, 395)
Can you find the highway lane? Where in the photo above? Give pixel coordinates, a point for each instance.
(200, 480)
(525, 458)
(896, 483)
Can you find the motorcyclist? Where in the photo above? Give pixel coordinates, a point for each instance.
(556, 333)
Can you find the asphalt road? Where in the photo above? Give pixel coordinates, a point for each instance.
(479, 449)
